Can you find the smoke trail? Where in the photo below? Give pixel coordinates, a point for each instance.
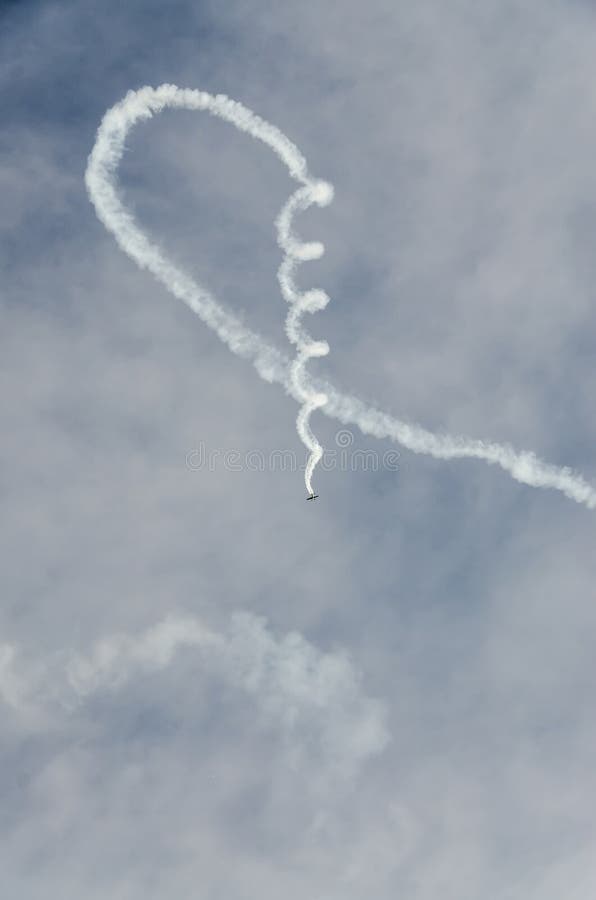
(308, 301)
(270, 363)
(100, 178)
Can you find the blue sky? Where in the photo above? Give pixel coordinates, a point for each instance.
(209, 688)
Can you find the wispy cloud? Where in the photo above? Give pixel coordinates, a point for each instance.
(296, 688)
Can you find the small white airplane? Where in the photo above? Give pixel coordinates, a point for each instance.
(312, 496)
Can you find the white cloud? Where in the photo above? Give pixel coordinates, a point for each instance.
(309, 696)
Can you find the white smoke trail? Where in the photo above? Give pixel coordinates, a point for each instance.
(308, 301)
(100, 178)
(270, 363)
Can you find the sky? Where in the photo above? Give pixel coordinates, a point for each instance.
(209, 688)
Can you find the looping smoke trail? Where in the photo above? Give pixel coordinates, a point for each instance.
(100, 178)
(311, 301)
(271, 364)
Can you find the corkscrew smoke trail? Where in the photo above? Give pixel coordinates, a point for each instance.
(100, 179)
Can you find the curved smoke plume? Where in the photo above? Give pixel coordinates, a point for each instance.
(270, 363)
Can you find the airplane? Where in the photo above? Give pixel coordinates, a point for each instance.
(312, 496)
